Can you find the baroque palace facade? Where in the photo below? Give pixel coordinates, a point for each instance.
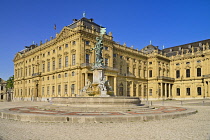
(61, 67)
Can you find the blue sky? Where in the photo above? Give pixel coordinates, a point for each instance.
(136, 22)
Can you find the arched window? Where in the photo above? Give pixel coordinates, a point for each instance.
(121, 89)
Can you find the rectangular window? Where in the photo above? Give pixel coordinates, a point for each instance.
(199, 90)
(114, 55)
(42, 90)
(59, 89)
(33, 70)
(187, 72)
(66, 61)
(87, 58)
(48, 90)
(59, 63)
(127, 70)
(53, 89)
(66, 89)
(177, 91)
(29, 91)
(145, 74)
(150, 73)
(73, 59)
(66, 45)
(114, 63)
(188, 91)
(198, 72)
(150, 92)
(87, 42)
(106, 48)
(177, 73)
(74, 43)
(48, 66)
(29, 71)
(53, 65)
(106, 61)
(134, 71)
(43, 68)
(73, 89)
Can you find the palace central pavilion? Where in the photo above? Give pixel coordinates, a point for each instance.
(61, 67)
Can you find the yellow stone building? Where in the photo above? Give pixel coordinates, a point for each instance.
(61, 67)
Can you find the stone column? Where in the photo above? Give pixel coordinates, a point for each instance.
(131, 89)
(208, 90)
(169, 94)
(165, 90)
(137, 90)
(115, 85)
(161, 90)
(142, 91)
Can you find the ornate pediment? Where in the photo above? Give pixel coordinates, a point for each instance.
(17, 56)
(88, 51)
(59, 55)
(63, 34)
(73, 51)
(66, 53)
(107, 56)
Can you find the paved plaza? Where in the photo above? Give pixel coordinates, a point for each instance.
(195, 126)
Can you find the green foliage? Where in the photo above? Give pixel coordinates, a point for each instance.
(10, 83)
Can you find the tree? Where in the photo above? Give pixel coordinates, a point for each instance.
(10, 83)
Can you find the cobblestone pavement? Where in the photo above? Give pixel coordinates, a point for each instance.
(193, 127)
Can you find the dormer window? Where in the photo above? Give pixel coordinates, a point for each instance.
(180, 48)
(189, 46)
(171, 50)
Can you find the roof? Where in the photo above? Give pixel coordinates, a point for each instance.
(2, 81)
(171, 51)
(149, 49)
(88, 23)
